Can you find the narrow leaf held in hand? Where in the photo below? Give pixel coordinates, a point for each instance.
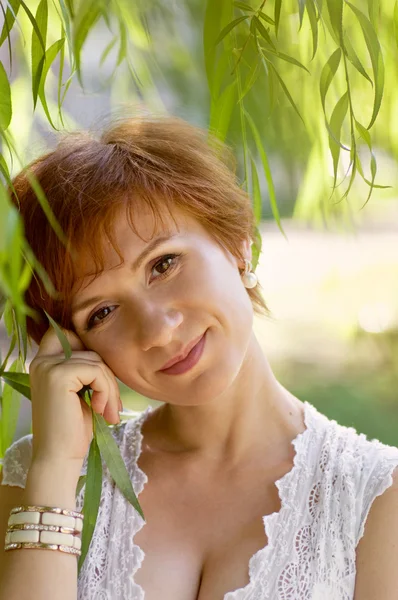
(61, 336)
(92, 497)
(81, 482)
(5, 99)
(18, 381)
(111, 455)
(10, 406)
(376, 58)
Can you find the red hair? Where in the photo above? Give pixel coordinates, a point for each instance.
(162, 162)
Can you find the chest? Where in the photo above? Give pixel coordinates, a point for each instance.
(201, 531)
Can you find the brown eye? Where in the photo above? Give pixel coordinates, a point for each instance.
(165, 265)
(101, 312)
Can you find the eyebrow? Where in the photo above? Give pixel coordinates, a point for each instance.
(154, 243)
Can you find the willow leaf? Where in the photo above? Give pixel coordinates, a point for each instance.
(92, 498)
(212, 24)
(396, 22)
(263, 31)
(252, 77)
(374, 12)
(89, 14)
(11, 14)
(257, 203)
(336, 122)
(267, 171)
(365, 135)
(243, 6)
(328, 72)
(335, 10)
(286, 58)
(111, 455)
(285, 89)
(301, 4)
(354, 60)
(7, 35)
(312, 17)
(9, 352)
(277, 15)
(49, 59)
(61, 336)
(39, 35)
(10, 407)
(81, 482)
(18, 381)
(225, 31)
(376, 58)
(107, 50)
(221, 111)
(266, 18)
(5, 99)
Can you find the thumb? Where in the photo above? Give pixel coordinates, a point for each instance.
(51, 345)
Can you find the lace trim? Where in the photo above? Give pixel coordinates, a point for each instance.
(271, 521)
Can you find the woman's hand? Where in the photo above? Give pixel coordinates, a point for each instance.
(61, 421)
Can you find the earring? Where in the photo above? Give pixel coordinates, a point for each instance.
(249, 278)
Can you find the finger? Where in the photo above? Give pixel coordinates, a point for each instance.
(111, 412)
(50, 344)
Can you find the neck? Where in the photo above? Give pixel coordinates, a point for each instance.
(255, 414)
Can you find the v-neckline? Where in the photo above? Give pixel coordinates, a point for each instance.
(270, 521)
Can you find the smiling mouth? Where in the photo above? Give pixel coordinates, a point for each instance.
(183, 355)
(191, 358)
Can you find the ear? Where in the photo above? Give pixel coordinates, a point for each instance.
(247, 249)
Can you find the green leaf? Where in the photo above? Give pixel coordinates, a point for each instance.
(10, 407)
(263, 31)
(277, 15)
(61, 336)
(267, 171)
(90, 12)
(336, 123)
(257, 202)
(327, 75)
(111, 455)
(365, 135)
(81, 482)
(243, 6)
(221, 111)
(39, 36)
(9, 352)
(49, 59)
(5, 99)
(225, 31)
(287, 93)
(251, 79)
(18, 381)
(396, 22)
(286, 58)
(301, 4)
(92, 498)
(335, 9)
(376, 58)
(354, 60)
(312, 17)
(7, 34)
(266, 18)
(11, 13)
(107, 50)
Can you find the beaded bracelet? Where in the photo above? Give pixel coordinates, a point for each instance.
(44, 527)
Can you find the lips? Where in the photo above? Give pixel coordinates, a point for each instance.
(183, 354)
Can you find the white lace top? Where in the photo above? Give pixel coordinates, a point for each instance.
(310, 555)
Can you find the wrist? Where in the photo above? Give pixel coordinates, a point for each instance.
(51, 484)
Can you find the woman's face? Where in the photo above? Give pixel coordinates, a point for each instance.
(146, 312)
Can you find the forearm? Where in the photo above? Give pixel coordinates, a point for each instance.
(38, 574)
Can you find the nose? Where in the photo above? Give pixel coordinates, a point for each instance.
(156, 326)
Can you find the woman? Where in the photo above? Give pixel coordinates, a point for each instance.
(247, 492)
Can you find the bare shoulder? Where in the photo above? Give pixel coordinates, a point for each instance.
(377, 551)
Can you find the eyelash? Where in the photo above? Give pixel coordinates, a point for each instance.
(165, 257)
